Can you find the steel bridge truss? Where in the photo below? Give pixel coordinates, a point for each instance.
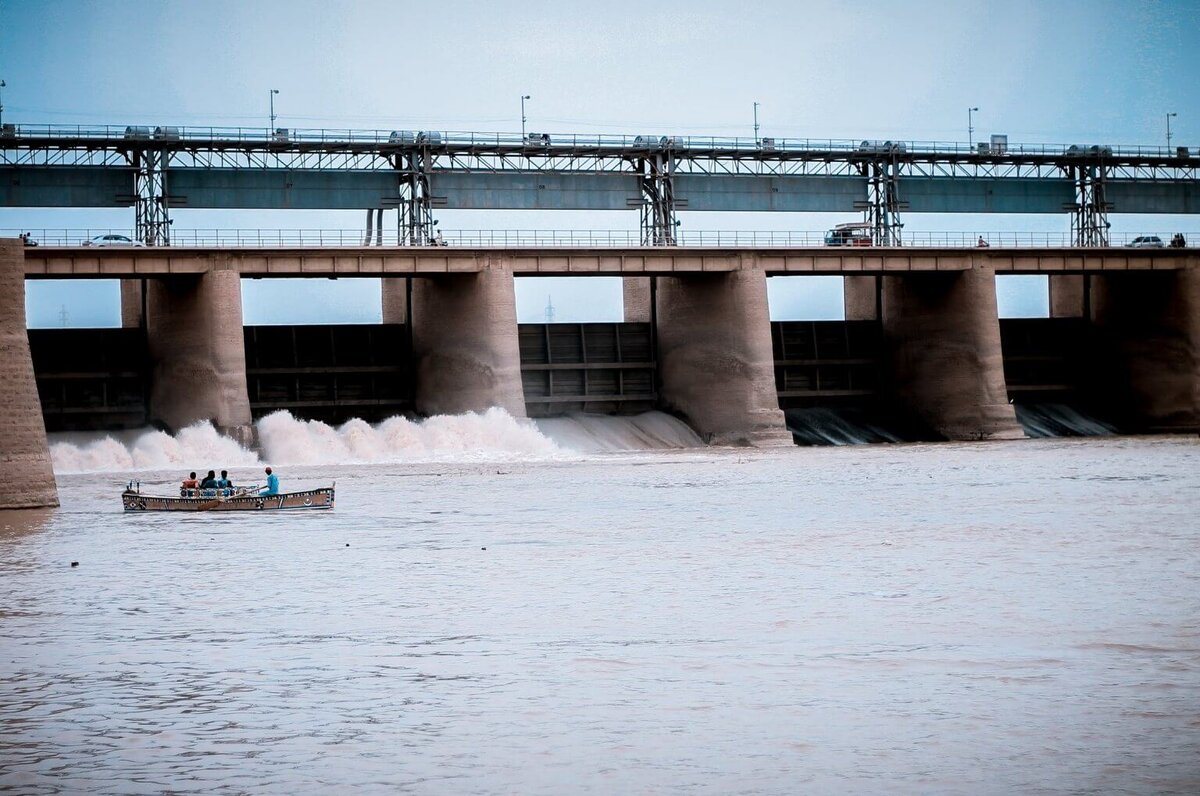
(656, 166)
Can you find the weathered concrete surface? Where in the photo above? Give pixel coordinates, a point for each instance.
(131, 303)
(394, 295)
(716, 364)
(197, 349)
(859, 298)
(1148, 330)
(635, 294)
(465, 343)
(943, 333)
(28, 480)
(1066, 296)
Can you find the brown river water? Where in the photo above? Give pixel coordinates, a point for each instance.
(929, 618)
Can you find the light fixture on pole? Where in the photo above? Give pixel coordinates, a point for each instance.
(756, 124)
(2, 85)
(523, 98)
(274, 91)
(1169, 115)
(971, 128)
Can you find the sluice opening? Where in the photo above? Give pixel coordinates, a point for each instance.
(91, 379)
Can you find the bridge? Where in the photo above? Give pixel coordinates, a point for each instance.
(414, 173)
(922, 338)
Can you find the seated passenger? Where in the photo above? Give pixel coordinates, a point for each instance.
(224, 483)
(272, 487)
(190, 482)
(210, 481)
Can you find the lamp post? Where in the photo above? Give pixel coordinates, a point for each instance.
(2, 85)
(971, 128)
(274, 91)
(1169, 115)
(756, 139)
(523, 98)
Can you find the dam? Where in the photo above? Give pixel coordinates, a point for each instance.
(922, 338)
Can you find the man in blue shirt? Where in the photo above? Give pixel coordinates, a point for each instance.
(272, 487)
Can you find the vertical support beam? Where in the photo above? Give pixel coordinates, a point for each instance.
(1148, 329)
(28, 480)
(394, 294)
(943, 332)
(131, 303)
(198, 352)
(716, 363)
(860, 297)
(1066, 295)
(635, 295)
(465, 342)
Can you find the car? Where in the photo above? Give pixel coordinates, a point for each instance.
(1146, 242)
(855, 234)
(112, 240)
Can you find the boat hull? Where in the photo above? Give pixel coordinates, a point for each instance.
(312, 499)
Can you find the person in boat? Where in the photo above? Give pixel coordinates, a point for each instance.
(188, 484)
(272, 487)
(210, 481)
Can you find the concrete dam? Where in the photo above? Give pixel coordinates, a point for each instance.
(922, 339)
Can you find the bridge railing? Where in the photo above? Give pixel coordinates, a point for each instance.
(534, 238)
(534, 142)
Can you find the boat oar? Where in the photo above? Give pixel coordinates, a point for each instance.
(212, 504)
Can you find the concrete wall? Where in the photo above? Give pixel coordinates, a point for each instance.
(860, 298)
(635, 294)
(465, 342)
(1066, 296)
(131, 303)
(943, 335)
(198, 354)
(394, 294)
(716, 365)
(28, 480)
(1148, 330)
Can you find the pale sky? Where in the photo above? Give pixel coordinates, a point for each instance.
(1053, 72)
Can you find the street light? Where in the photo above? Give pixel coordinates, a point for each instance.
(3, 84)
(274, 91)
(1169, 115)
(971, 128)
(523, 98)
(756, 124)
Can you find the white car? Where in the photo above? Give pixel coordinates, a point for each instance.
(112, 240)
(1146, 242)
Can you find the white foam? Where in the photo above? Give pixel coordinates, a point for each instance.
(286, 440)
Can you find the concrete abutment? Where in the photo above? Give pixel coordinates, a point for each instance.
(465, 344)
(197, 352)
(716, 364)
(942, 331)
(28, 480)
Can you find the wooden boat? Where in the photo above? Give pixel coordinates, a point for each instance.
(246, 499)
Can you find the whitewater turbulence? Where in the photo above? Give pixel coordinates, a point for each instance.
(286, 440)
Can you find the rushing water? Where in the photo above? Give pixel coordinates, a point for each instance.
(532, 618)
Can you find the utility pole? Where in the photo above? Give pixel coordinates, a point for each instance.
(63, 315)
(523, 98)
(274, 91)
(1169, 115)
(756, 138)
(971, 128)
(2, 85)
(549, 310)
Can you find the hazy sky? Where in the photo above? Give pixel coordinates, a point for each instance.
(1057, 72)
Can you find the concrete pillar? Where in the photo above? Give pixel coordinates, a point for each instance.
(465, 343)
(28, 480)
(860, 298)
(1066, 296)
(1148, 331)
(394, 293)
(716, 363)
(635, 292)
(131, 303)
(198, 352)
(943, 332)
